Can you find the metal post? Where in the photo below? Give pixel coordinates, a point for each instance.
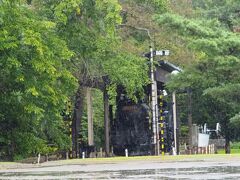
(157, 131)
(174, 119)
(126, 152)
(161, 119)
(39, 158)
(157, 120)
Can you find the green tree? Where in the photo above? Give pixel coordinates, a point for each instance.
(213, 79)
(226, 11)
(89, 28)
(35, 82)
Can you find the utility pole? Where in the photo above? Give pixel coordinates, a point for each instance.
(153, 102)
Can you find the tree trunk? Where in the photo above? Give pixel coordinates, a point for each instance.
(190, 117)
(11, 151)
(106, 122)
(227, 146)
(111, 116)
(76, 121)
(227, 136)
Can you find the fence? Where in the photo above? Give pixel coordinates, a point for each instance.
(210, 149)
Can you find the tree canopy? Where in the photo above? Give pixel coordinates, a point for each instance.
(35, 82)
(46, 48)
(50, 50)
(213, 78)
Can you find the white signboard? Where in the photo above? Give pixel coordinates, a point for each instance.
(203, 140)
(162, 53)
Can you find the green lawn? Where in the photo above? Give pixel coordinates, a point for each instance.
(233, 151)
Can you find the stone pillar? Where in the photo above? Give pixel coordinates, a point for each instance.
(90, 118)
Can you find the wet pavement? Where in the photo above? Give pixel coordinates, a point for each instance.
(199, 169)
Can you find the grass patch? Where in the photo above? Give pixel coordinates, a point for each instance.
(233, 151)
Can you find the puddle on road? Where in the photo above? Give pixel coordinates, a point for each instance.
(214, 172)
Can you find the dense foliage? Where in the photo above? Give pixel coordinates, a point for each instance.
(35, 83)
(46, 48)
(214, 77)
(49, 51)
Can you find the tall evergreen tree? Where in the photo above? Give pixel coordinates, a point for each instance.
(213, 78)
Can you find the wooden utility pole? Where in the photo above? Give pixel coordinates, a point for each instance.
(90, 117)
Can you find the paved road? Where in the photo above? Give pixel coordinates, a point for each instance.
(201, 168)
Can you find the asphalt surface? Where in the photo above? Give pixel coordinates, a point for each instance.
(219, 167)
